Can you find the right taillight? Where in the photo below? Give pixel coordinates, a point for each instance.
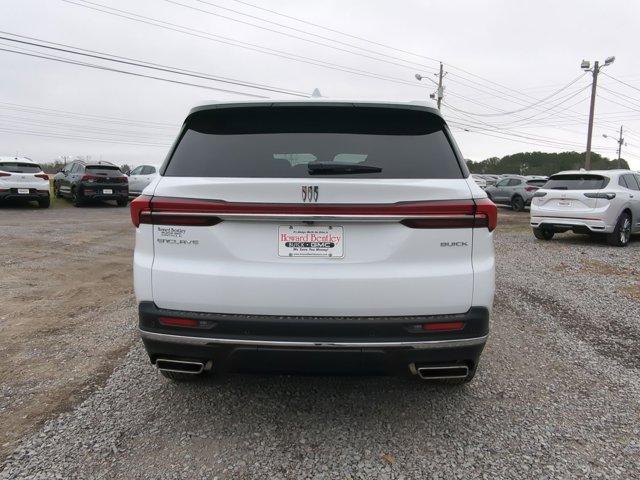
(138, 205)
(3, 174)
(486, 214)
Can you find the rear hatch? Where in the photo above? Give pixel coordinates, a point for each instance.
(313, 210)
(569, 195)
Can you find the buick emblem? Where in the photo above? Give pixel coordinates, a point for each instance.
(310, 193)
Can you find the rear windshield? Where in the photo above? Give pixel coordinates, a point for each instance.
(301, 142)
(106, 168)
(576, 182)
(17, 167)
(536, 183)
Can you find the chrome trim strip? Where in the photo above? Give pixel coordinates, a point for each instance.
(419, 345)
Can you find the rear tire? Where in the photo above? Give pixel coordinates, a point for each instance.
(542, 233)
(44, 203)
(517, 203)
(76, 199)
(621, 235)
(56, 191)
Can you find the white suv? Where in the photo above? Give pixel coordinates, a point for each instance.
(595, 201)
(23, 179)
(315, 237)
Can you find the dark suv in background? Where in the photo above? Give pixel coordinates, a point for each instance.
(83, 181)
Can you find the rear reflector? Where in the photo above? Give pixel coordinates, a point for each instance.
(178, 322)
(443, 326)
(426, 214)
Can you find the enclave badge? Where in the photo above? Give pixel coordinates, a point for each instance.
(310, 193)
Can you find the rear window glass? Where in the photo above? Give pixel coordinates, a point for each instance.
(301, 142)
(17, 167)
(576, 182)
(536, 183)
(109, 168)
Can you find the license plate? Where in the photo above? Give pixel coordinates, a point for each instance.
(310, 241)
(107, 191)
(564, 203)
(23, 191)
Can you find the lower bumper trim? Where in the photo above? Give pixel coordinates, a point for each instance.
(418, 345)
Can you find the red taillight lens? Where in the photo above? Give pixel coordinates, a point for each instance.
(178, 322)
(43, 176)
(443, 326)
(89, 178)
(531, 189)
(486, 214)
(138, 205)
(3, 174)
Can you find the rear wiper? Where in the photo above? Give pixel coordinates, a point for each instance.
(340, 168)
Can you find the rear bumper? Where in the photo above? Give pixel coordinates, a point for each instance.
(383, 345)
(564, 224)
(34, 194)
(97, 191)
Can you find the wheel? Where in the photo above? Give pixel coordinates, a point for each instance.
(517, 203)
(44, 203)
(122, 202)
(542, 233)
(76, 198)
(181, 377)
(56, 191)
(621, 235)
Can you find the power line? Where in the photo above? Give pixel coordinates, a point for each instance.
(233, 42)
(89, 117)
(36, 133)
(620, 81)
(140, 63)
(99, 67)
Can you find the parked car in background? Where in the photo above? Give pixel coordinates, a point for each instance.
(315, 237)
(480, 180)
(21, 178)
(140, 177)
(597, 201)
(83, 181)
(516, 191)
(490, 179)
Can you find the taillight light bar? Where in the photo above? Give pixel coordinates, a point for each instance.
(3, 174)
(43, 176)
(427, 214)
(531, 189)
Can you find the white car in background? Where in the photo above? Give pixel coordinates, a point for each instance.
(140, 177)
(22, 178)
(596, 201)
(481, 182)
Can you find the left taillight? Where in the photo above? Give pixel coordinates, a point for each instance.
(138, 206)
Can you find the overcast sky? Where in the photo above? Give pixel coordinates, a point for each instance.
(530, 49)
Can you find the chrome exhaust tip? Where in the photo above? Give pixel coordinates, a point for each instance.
(179, 366)
(442, 372)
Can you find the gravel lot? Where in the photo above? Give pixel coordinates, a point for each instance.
(557, 395)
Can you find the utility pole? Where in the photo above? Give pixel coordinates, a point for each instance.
(438, 95)
(620, 140)
(594, 84)
(440, 90)
(592, 107)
